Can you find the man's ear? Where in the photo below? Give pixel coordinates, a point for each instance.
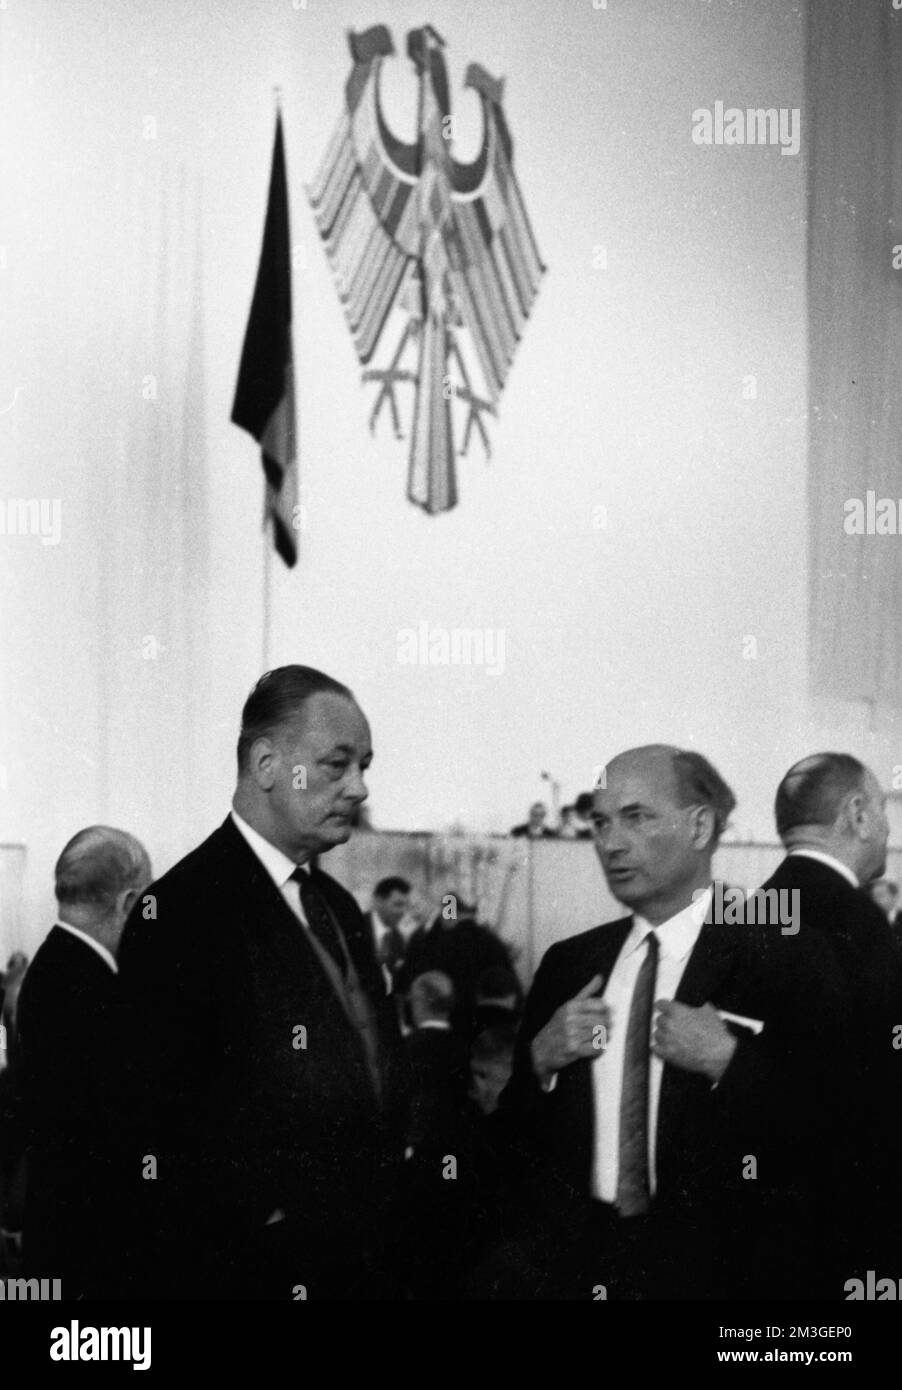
(704, 824)
(856, 814)
(127, 899)
(262, 762)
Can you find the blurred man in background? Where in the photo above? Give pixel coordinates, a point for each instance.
(885, 893)
(831, 816)
(71, 1030)
(491, 1063)
(460, 947)
(391, 901)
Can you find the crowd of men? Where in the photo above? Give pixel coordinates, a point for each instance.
(229, 1082)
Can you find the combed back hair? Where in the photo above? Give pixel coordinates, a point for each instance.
(814, 789)
(699, 783)
(97, 865)
(432, 993)
(394, 884)
(277, 699)
(494, 1044)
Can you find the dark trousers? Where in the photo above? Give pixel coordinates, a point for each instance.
(589, 1252)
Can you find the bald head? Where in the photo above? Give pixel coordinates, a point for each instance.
(431, 997)
(658, 817)
(832, 802)
(99, 875)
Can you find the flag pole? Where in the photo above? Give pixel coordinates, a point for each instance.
(268, 538)
(269, 525)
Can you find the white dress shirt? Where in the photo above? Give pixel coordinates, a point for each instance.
(98, 946)
(676, 937)
(830, 861)
(380, 932)
(279, 867)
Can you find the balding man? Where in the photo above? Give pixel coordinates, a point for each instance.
(667, 1064)
(69, 1032)
(261, 1029)
(831, 816)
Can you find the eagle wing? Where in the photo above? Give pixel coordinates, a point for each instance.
(495, 265)
(364, 198)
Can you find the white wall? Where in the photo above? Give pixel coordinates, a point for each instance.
(626, 394)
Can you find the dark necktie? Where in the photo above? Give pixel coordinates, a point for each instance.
(633, 1183)
(319, 918)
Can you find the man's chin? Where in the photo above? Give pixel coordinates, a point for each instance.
(335, 832)
(625, 890)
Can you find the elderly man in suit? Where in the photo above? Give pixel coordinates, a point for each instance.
(70, 1036)
(831, 816)
(670, 1068)
(262, 1032)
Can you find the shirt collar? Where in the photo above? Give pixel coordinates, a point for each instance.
(832, 863)
(678, 934)
(382, 928)
(104, 953)
(279, 867)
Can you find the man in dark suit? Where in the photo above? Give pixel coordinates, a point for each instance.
(435, 1207)
(69, 1028)
(391, 899)
(831, 816)
(669, 1068)
(461, 948)
(437, 1057)
(262, 1033)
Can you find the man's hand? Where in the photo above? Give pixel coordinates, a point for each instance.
(578, 1028)
(693, 1039)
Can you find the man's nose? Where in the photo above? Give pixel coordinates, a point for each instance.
(358, 790)
(612, 842)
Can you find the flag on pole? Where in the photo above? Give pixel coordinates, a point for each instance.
(264, 395)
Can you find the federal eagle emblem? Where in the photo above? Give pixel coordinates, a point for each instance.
(448, 244)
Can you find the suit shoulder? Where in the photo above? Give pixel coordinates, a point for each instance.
(201, 866)
(187, 893)
(585, 942)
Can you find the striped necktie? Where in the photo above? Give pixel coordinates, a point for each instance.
(633, 1180)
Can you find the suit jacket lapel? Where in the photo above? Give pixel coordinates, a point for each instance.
(273, 926)
(709, 964)
(576, 1081)
(709, 961)
(605, 955)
